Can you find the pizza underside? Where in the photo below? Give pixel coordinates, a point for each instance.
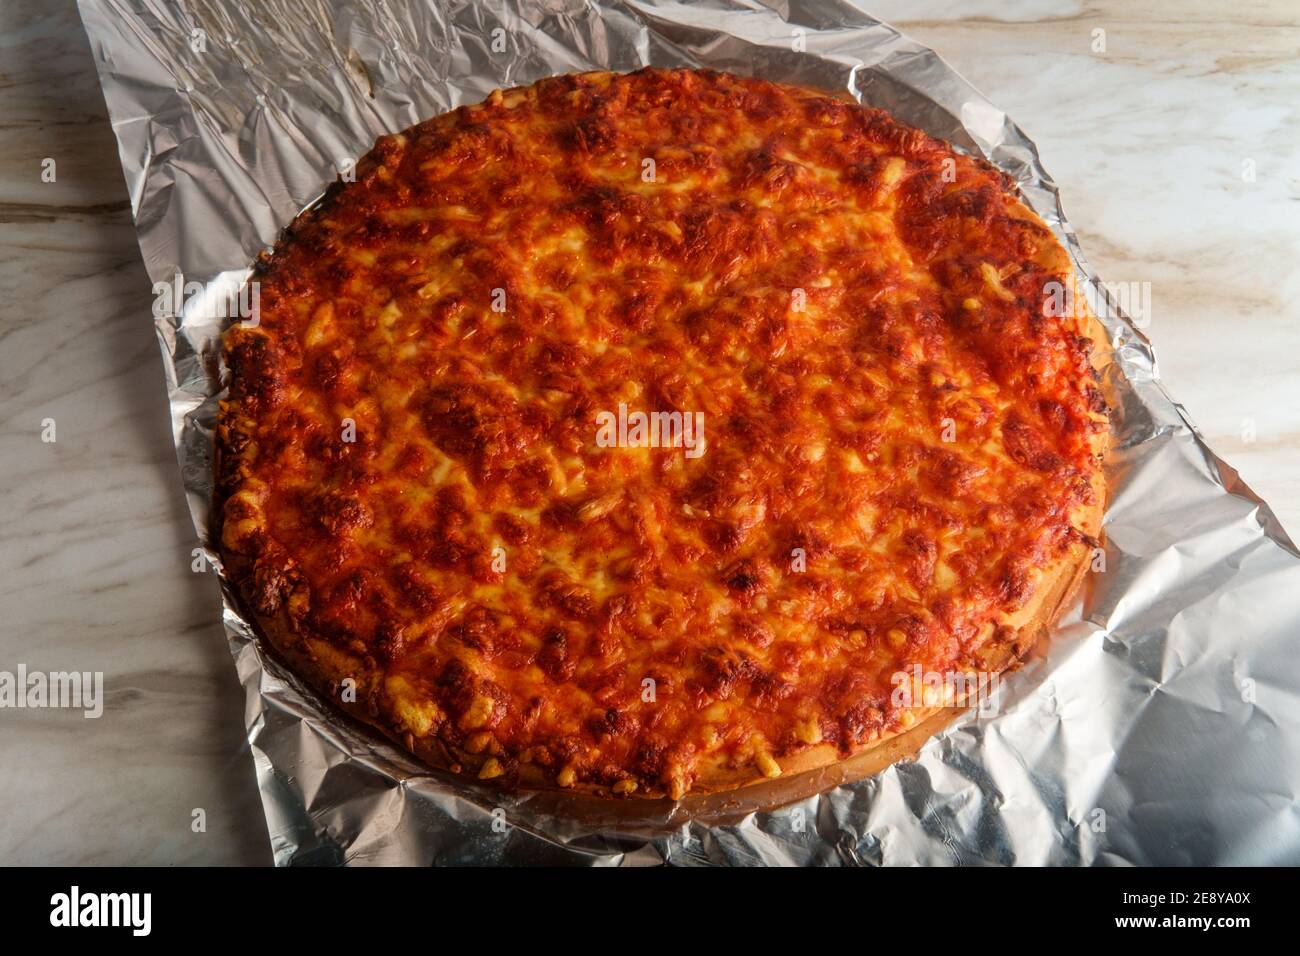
(660, 433)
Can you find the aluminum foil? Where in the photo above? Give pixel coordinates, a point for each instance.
(1160, 725)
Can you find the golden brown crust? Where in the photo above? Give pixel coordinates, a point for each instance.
(859, 312)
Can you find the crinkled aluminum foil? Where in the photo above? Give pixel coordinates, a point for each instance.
(1161, 725)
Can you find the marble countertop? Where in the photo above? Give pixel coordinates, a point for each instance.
(1177, 150)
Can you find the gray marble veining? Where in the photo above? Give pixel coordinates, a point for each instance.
(94, 537)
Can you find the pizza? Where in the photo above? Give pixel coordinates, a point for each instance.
(632, 434)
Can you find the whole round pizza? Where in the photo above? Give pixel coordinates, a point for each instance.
(659, 433)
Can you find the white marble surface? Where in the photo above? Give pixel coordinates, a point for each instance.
(94, 536)
(1147, 141)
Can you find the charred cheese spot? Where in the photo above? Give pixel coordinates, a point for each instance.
(898, 440)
